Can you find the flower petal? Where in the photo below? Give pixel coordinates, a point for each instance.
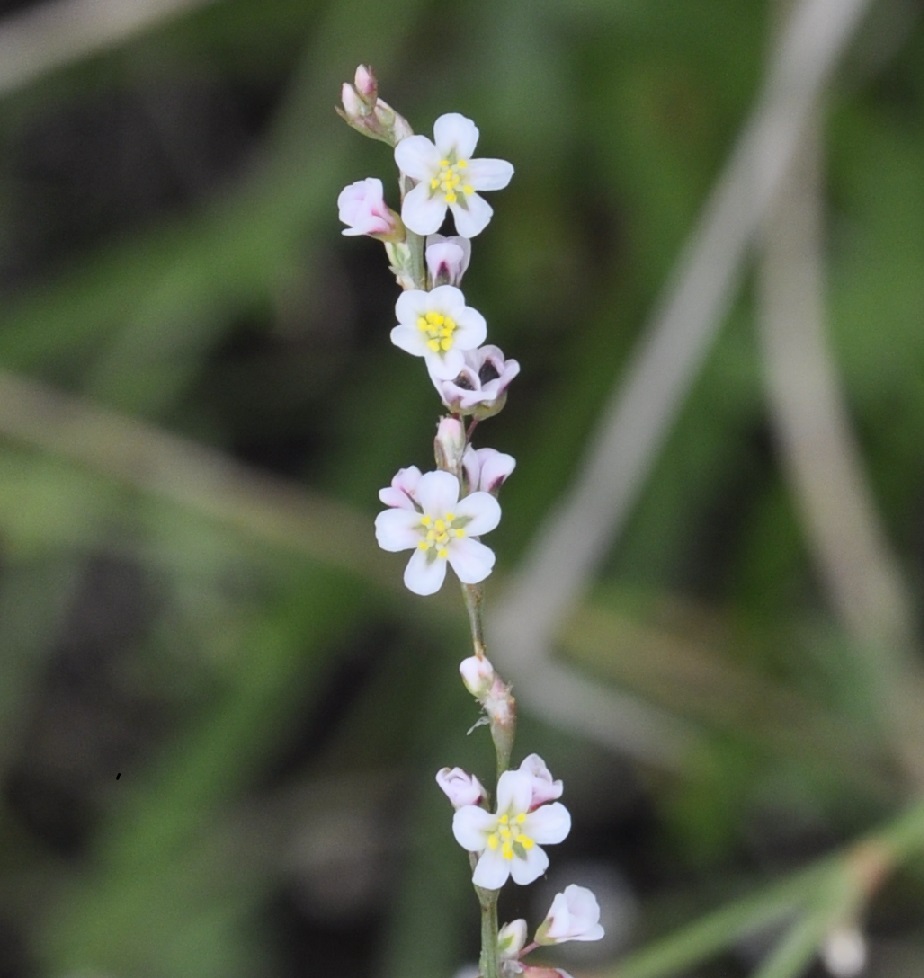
(397, 529)
(489, 174)
(484, 510)
(437, 492)
(471, 219)
(417, 157)
(471, 330)
(454, 134)
(549, 823)
(408, 339)
(530, 867)
(444, 365)
(471, 560)
(514, 790)
(422, 213)
(470, 826)
(492, 870)
(422, 576)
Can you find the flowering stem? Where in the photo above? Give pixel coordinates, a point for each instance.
(415, 245)
(488, 961)
(474, 595)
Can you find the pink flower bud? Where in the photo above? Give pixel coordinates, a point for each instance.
(478, 676)
(363, 209)
(544, 788)
(459, 787)
(573, 916)
(487, 469)
(447, 258)
(400, 494)
(366, 84)
(449, 445)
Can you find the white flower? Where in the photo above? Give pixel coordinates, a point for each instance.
(543, 787)
(400, 494)
(509, 841)
(363, 209)
(480, 387)
(439, 327)
(447, 258)
(573, 916)
(448, 177)
(440, 529)
(459, 787)
(486, 469)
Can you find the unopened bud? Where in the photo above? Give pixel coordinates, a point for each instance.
(449, 445)
(478, 675)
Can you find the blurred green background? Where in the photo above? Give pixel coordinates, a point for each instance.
(221, 713)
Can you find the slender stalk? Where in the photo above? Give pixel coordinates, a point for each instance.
(488, 964)
(474, 596)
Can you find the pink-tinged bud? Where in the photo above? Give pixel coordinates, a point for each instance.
(449, 445)
(366, 84)
(487, 469)
(543, 787)
(478, 675)
(501, 711)
(538, 971)
(400, 494)
(573, 916)
(459, 787)
(447, 258)
(367, 113)
(363, 209)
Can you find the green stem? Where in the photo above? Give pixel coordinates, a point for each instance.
(488, 964)
(474, 596)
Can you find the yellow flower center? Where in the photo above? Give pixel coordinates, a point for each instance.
(438, 330)
(450, 181)
(439, 532)
(509, 837)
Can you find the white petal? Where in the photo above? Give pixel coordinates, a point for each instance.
(492, 870)
(422, 213)
(529, 868)
(448, 299)
(409, 339)
(550, 823)
(452, 132)
(489, 174)
(472, 561)
(397, 529)
(444, 366)
(484, 510)
(437, 492)
(470, 825)
(410, 305)
(473, 218)
(514, 790)
(422, 576)
(471, 330)
(417, 157)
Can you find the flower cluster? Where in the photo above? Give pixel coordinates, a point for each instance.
(438, 515)
(441, 515)
(507, 842)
